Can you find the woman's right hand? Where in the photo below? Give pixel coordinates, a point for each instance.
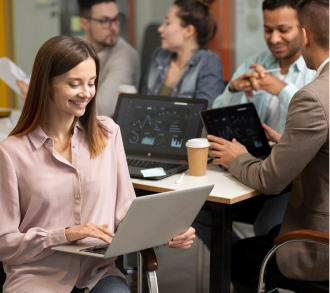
(89, 230)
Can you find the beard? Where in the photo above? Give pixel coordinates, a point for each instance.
(109, 40)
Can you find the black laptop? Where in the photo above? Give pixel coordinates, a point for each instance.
(241, 122)
(155, 130)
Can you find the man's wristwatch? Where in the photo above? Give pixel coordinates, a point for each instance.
(232, 89)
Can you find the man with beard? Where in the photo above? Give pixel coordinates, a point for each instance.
(271, 92)
(100, 19)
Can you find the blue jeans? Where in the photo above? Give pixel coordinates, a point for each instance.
(111, 284)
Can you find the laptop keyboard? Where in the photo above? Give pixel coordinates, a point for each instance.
(99, 249)
(151, 164)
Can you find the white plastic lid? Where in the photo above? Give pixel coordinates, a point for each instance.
(127, 88)
(197, 143)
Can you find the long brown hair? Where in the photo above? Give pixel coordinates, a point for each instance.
(57, 56)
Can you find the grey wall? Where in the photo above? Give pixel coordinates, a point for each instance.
(249, 29)
(35, 21)
(148, 11)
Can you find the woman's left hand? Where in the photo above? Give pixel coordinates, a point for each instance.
(184, 240)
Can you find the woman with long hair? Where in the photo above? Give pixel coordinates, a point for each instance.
(63, 178)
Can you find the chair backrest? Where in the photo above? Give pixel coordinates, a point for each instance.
(277, 280)
(2, 277)
(151, 41)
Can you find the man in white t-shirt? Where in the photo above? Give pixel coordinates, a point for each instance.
(119, 61)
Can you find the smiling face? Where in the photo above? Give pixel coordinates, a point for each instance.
(281, 32)
(172, 33)
(72, 91)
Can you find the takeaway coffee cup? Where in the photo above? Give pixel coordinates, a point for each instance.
(198, 149)
(127, 89)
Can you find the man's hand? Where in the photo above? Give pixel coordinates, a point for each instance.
(259, 80)
(184, 240)
(89, 230)
(225, 151)
(239, 84)
(271, 134)
(23, 87)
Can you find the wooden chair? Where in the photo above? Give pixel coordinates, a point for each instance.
(279, 281)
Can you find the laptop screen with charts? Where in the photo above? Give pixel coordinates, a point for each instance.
(155, 130)
(241, 122)
(150, 221)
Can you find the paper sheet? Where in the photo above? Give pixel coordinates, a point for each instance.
(10, 72)
(153, 172)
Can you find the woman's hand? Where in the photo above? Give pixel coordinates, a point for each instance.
(89, 230)
(184, 240)
(23, 87)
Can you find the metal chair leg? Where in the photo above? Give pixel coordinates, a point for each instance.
(147, 259)
(152, 282)
(139, 273)
(200, 266)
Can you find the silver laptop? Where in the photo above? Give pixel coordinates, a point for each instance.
(155, 130)
(150, 221)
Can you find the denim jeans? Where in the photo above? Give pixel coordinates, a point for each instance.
(111, 284)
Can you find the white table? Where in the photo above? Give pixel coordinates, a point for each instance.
(227, 188)
(226, 192)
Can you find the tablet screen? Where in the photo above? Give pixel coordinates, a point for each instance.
(241, 122)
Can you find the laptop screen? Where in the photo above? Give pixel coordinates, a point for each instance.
(156, 126)
(241, 122)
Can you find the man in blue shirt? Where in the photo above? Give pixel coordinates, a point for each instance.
(271, 92)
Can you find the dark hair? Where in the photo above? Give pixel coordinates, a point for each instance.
(57, 56)
(314, 14)
(275, 4)
(86, 5)
(197, 13)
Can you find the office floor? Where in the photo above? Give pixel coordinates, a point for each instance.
(178, 269)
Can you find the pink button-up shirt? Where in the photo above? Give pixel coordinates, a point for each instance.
(41, 194)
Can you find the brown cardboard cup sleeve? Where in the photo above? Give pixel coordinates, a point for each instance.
(198, 149)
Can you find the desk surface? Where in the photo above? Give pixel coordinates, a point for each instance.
(227, 189)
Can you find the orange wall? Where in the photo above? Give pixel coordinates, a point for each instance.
(221, 42)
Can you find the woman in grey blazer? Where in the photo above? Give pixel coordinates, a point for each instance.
(183, 67)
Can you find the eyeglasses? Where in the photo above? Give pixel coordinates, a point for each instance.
(107, 22)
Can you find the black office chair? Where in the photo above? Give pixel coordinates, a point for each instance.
(147, 259)
(275, 280)
(151, 41)
(2, 277)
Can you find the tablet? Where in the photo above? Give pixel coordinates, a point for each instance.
(241, 122)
